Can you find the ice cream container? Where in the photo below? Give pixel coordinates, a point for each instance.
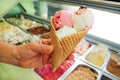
(103, 73)
(82, 47)
(14, 35)
(107, 72)
(77, 64)
(82, 57)
(23, 23)
(97, 58)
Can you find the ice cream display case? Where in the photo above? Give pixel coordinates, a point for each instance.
(96, 56)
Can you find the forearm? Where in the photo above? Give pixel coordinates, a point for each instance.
(8, 53)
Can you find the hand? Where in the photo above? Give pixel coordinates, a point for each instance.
(31, 55)
(35, 54)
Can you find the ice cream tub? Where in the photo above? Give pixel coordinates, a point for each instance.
(29, 25)
(14, 35)
(112, 66)
(82, 49)
(94, 73)
(23, 23)
(97, 56)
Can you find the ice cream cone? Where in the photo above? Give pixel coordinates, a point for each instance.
(45, 35)
(64, 46)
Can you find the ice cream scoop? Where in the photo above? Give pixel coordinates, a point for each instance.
(62, 18)
(82, 18)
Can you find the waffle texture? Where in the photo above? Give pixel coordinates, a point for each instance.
(45, 35)
(64, 46)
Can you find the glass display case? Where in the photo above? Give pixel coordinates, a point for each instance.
(105, 31)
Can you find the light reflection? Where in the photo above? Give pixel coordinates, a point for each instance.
(106, 25)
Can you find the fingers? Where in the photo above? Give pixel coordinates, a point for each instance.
(47, 49)
(32, 49)
(40, 48)
(45, 41)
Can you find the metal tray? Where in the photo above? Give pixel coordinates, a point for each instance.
(101, 70)
(18, 21)
(83, 58)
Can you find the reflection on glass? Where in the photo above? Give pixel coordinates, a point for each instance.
(44, 9)
(41, 8)
(29, 7)
(36, 7)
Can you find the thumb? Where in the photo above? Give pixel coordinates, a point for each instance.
(41, 48)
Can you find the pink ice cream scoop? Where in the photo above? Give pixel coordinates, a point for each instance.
(62, 18)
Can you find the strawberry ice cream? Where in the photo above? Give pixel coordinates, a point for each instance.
(62, 18)
(82, 47)
(82, 19)
(46, 71)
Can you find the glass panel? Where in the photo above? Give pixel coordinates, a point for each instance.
(108, 2)
(36, 7)
(113, 0)
(28, 6)
(106, 24)
(6, 5)
(14, 10)
(43, 9)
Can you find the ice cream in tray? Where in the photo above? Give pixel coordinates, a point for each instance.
(97, 56)
(112, 68)
(29, 25)
(82, 47)
(113, 65)
(14, 35)
(81, 71)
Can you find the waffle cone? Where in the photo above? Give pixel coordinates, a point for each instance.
(64, 46)
(45, 35)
